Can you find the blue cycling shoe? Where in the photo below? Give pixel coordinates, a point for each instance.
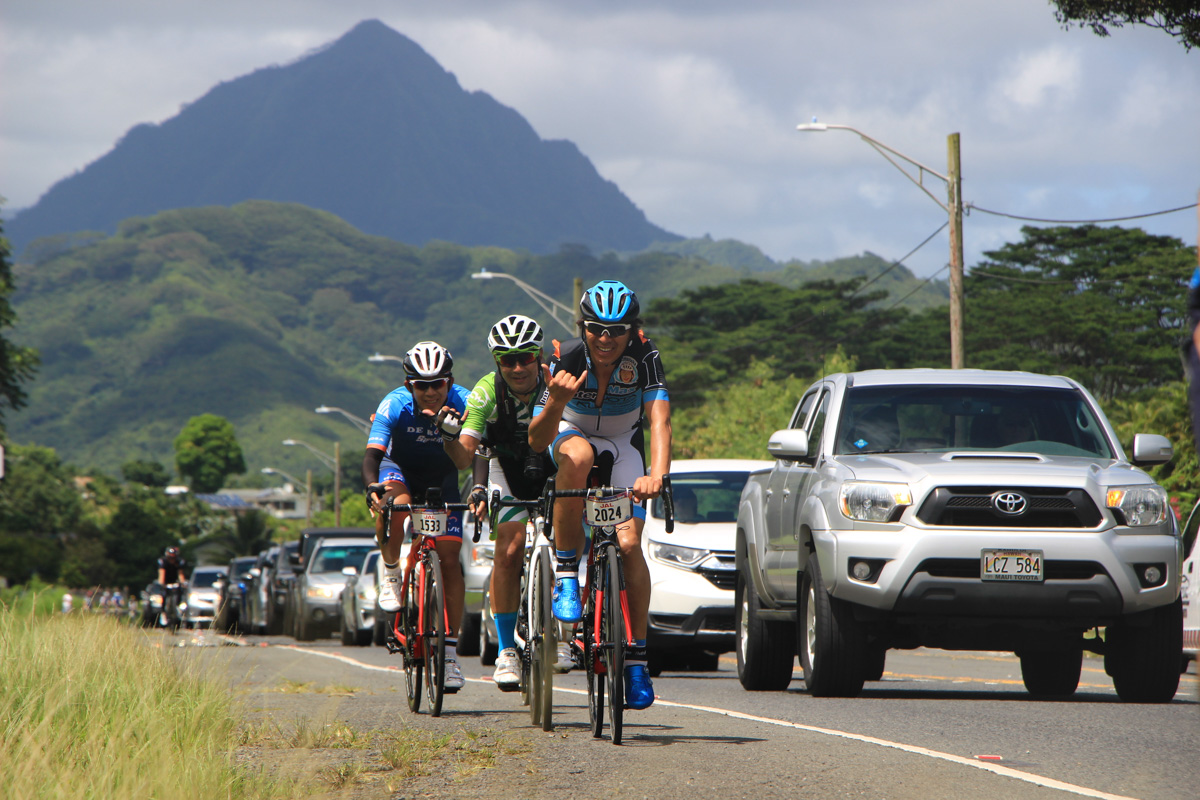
(639, 691)
(567, 607)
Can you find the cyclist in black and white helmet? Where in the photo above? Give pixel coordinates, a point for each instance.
(410, 449)
(498, 414)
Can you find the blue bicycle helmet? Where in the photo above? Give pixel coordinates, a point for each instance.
(609, 301)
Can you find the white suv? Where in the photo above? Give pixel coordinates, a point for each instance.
(692, 571)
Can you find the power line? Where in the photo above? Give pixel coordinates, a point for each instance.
(901, 260)
(972, 206)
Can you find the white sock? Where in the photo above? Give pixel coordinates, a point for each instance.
(452, 649)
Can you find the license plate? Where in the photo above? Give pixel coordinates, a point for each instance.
(1011, 565)
(430, 523)
(608, 511)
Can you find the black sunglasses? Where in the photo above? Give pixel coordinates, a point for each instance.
(613, 330)
(513, 359)
(425, 386)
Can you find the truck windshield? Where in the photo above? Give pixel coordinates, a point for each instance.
(1047, 421)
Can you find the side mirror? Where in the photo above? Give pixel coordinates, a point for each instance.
(254, 572)
(1150, 448)
(350, 571)
(790, 444)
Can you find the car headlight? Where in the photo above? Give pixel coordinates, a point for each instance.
(1140, 506)
(874, 502)
(368, 594)
(677, 556)
(193, 599)
(320, 592)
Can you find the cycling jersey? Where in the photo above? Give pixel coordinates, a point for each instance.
(483, 417)
(637, 379)
(614, 429)
(171, 570)
(413, 448)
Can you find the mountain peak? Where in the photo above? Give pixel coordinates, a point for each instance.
(370, 128)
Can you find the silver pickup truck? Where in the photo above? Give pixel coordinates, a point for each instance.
(962, 510)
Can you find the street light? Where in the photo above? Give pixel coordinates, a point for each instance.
(358, 422)
(381, 357)
(953, 206)
(548, 303)
(307, 484)
(333, 463)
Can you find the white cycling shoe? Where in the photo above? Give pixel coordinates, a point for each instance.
(389, 593)
(565, 661)
(507, 676)
(454, 679)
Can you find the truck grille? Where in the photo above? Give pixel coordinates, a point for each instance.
(973, 507)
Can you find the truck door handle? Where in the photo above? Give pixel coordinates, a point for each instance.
(787, 492)
(770, 492)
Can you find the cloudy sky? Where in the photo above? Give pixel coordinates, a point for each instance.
(691, 106)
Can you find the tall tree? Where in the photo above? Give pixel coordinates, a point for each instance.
(207, 452)
(1102, 305)
(17, 364)
(1179, 18)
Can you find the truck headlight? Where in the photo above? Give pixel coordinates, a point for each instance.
(320, 592)
(1138, 506)
(677, 556)
(874, 502)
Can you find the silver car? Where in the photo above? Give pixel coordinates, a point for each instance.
(199, 605)
(318, 588)
(958, 509)
(359, 596)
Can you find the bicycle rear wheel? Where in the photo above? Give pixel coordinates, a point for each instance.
(591, 654)
(612, 632)
(406, 623)
(433, 634)
(544, 644)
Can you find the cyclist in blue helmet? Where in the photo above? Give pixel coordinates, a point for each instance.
(599, 388)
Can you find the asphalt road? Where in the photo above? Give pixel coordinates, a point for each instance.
(938, 725)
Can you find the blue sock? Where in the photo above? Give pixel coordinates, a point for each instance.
(506, 630)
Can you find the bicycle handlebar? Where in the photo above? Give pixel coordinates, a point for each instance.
(391, 505)
(667, 498)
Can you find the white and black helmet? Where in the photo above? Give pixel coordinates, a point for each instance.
(427, 361)
(515, 334)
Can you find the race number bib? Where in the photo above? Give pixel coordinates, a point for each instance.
(430, 522)
(605, 512)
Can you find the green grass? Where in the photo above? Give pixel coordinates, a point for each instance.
(88, 711)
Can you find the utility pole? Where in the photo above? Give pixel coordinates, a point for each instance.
(577, 295)
(308, 502)
(954, 188)
(337, 484)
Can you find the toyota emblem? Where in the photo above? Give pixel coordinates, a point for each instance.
(1011, 504)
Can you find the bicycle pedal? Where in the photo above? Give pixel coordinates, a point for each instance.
(509, 687)
(448, 690)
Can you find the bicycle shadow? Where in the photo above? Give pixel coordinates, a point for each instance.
(643, 736)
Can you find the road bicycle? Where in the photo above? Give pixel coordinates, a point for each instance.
(419, 629)
(604, 631)
(537, 630)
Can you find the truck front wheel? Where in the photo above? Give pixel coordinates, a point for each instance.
(1144, 661)
(764, 648)
(833, 644)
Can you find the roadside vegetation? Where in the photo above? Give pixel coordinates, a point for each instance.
(93, 709)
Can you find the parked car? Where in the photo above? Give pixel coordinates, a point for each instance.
(693, 570)
(200, 597)
(1190, 591)
(281, 574)
(317, 591)
(231, 597)
(963, 510)
(476, 561)
(359, 596)
(253, 617)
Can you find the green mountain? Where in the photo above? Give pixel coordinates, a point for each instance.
(260, 313)
(370, 128)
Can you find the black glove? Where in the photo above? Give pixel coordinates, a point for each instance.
(449, 424)
(374, 490)
(479, 495)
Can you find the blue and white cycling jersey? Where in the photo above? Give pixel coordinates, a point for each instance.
(637, 379)
(410, 439)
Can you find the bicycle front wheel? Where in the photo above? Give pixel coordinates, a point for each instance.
(405, 622)
(433, 632)
(612, 632)
(544, 644)
(591, 653)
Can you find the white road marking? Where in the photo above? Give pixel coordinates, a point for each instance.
(997, 769)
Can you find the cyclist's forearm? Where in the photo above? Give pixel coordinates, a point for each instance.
(660, 438)
(370, 465)
(543, 427)
(461, 450)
